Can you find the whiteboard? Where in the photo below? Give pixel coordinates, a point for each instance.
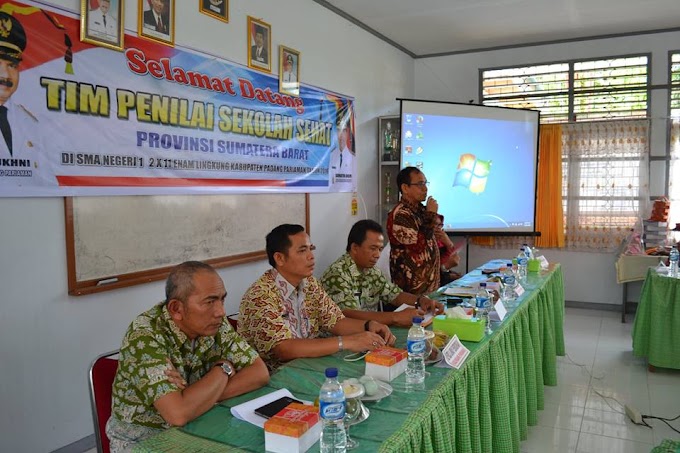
(118, 238)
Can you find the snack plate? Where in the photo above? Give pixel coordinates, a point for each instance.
(384, 390)
(437, 359)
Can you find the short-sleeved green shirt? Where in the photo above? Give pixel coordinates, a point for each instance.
(352, 288)
(152, 338)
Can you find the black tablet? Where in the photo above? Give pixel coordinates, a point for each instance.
(273, 408)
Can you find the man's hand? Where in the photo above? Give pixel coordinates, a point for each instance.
(431, 306)
(364, 341)
(404, 318)
(174, 376)
(432, 205)
(383, 331)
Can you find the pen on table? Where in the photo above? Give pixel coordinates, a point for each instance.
(107, 281)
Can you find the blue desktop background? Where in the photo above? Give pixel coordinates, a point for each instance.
(508, 201)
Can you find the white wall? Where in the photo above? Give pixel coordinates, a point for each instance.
(47, 338)
(589, 277)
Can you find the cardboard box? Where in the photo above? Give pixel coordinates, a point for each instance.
(386, 363)
(466, 329)
(295, 429)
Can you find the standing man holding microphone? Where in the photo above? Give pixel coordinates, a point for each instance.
(414, 254)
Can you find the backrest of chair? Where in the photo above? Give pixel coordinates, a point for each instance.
(233, 320)
(102, 373)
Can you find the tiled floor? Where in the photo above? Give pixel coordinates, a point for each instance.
(576, 418)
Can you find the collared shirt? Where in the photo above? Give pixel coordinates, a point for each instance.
(414, 255)
(266, 319)
(356, 289)
(151, 339)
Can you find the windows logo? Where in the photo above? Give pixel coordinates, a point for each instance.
(472, 173)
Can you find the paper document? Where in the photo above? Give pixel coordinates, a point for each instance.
(427, 318)
(246, 411)
(461, 292)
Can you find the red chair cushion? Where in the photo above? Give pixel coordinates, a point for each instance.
(103, 373)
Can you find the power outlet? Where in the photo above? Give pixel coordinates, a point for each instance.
(633, 414)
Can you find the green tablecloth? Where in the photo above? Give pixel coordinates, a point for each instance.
(485, 406)
(656, 330)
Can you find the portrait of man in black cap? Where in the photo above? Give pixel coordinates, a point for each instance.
(17, 123)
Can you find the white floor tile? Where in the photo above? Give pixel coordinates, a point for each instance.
(664, 400)
(662, 431)
(569, 394)
(593, 443)
(542, 439)
(614, 424)
(561, 416)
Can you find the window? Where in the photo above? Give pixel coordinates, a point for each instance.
(605, 146)
(675, 85)
(604, 182)
(588, 90)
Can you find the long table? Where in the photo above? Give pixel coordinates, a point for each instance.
(487, 405)
(656, 329)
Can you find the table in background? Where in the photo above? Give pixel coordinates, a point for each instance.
(487, 405)
(656, 329)
(632, 268)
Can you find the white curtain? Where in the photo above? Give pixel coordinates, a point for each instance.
(605, 182)
(674, 181)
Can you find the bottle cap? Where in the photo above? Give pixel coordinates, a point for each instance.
(331, 372)
(482, 285)
(417, 320)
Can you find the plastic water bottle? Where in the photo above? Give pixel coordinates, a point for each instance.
(528, 252)
(509, 283)
(522, 262)
(673, 258)
(483, 302)
(415, 344)
(332, 412)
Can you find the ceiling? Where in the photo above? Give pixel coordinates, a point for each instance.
(433, 27)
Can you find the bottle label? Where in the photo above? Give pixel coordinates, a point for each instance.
(331, 410)
(522, 261)
(509, 280)
(415, 346)
(482, 301)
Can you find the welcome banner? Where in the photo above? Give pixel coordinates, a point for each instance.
(86, 120)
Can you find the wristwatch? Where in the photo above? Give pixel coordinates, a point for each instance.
(417, 304)
(227, 368)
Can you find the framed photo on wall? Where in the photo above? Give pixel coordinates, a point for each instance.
(157, 20)
(259, 45)
(289, 71)
(219, 9)
(101, 23)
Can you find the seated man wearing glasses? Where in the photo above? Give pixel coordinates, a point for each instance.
(285, 313)
(414, 254)
(358, 287)
(179, 358)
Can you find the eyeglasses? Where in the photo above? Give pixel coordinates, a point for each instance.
(421, 183)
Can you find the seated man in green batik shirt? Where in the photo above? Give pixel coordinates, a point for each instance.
(180, 358)
(358, 287)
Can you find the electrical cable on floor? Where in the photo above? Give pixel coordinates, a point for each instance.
(665, 420)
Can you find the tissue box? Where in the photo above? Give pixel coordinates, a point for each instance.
(294, 429)
(466, 329)
(386, 363)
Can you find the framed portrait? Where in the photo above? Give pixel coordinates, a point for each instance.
(219, 9)
(157, 20)
(101, 23)
(259, 45)
(289, 71)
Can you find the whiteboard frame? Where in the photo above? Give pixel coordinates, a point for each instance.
(81, 287)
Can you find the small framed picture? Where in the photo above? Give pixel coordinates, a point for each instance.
(289, 71)
(101, 23)
(219, 9)
(157, 20)
(259, 45)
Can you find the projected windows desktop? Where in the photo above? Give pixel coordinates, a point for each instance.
(482, 170)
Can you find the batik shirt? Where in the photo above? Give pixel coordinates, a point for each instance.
(414, 255)
(140, 380)
(272, 310)
(356, 289)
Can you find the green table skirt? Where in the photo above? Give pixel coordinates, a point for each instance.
(485, 406)
(656, 330)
